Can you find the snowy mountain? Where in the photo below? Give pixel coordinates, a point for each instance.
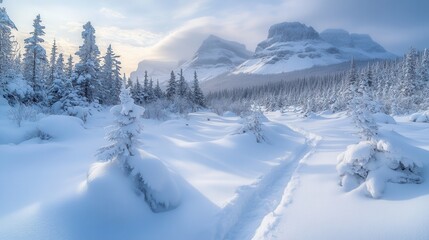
(294, 46)
(216, 56)
(290, 46)
(157, 70)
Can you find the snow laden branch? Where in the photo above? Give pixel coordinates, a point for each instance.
(150, 178)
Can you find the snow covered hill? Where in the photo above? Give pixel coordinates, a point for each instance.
(294, 46)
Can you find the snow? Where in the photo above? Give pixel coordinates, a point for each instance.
(229, 186)
(420, 117)
(61, 127)
(383, 118)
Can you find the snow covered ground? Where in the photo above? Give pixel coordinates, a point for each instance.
(232, 187)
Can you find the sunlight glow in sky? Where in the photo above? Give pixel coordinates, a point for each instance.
(174, 29)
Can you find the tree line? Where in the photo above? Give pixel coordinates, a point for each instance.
(58, 85)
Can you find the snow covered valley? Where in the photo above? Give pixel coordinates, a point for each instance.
(286, 187)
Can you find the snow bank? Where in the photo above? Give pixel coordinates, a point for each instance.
(153, 179)
(373, 164)
(60, 127)
(148, 176)
(383, 118)
(420, 117)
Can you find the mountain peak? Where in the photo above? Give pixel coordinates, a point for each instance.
(291, 32)
(294, 46)
(342, 38)
(288, 32)
(214, 57)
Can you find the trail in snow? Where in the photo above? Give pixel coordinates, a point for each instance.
(271, 220)
(253, 203)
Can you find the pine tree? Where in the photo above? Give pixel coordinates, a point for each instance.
(171, 88)
(57, 87)
(124, 135)
(182, 86)
(159, 191)
(6, 51)
(69, 68)
(158, 91)
(424, 68)
(352, 83)
(35, 61)
(197, 93)
(52, 61)
(129, 83)
(88, 68)
(116, 88)
(109, 78)
(407, 86)
(408, 83)
(150, 92)
(145, 87)
(138, 93)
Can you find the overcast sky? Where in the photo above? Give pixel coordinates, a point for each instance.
(173, 29)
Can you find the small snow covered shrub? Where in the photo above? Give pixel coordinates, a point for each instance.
(149, 176)
(373, 164)
(157, 110)
(78, 111)
(253, 123)
(420, 117)
(21, 113)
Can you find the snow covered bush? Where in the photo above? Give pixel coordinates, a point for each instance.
(157, 110)
(420, 117)
(376, 163)
(253, 123)
(21, 112)
(150, 177)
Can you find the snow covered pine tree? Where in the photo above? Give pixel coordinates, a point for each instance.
(149, 175)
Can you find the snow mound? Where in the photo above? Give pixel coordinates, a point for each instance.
(383, 118)
(148, 176)
(154, 180)
(422, 117)
(373, 164)
(60, 127)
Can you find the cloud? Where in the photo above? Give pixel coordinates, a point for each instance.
(132, 37)
(173, 30)
(110, 13)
